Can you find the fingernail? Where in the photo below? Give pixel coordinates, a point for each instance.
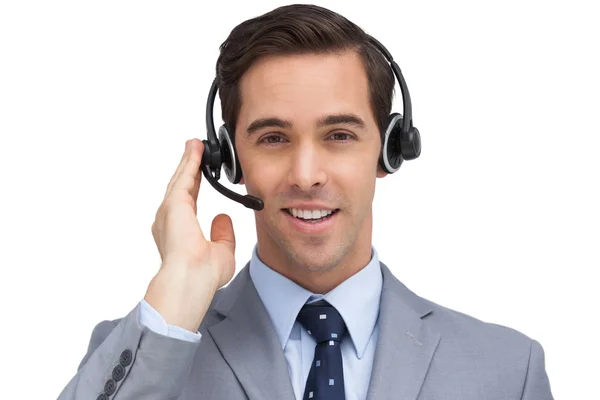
(187, 144)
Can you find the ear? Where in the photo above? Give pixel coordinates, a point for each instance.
(380, 172)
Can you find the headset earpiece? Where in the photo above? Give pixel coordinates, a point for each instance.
(231, 164)
(390, 158)
(411, 144)
(397, 146)
(212, 158)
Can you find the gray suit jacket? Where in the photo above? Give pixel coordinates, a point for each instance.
(424, 351)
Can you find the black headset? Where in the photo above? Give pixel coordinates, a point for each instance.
(400, 141)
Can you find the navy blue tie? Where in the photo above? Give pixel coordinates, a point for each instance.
(326, 377)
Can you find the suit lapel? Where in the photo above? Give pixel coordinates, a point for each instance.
(405, 345)
(249, 343)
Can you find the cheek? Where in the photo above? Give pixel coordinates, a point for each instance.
(355, 170)
(355, 182)
(358, 185)
(261, 178)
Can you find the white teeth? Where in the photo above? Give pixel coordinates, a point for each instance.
(309, 214)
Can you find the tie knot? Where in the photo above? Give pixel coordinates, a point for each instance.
(322, 321)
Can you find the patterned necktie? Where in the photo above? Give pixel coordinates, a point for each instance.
(326, 377)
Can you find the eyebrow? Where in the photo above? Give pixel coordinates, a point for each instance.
(334, 119)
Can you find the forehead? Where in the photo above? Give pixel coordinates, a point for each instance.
(305, 86)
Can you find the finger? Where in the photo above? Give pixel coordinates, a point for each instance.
(198, 176)
(189, 176)
(182, 162)
(221, 231)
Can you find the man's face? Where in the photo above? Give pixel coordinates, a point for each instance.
(294, 153)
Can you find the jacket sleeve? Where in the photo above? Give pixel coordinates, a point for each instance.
(128, 360)
(537, 384)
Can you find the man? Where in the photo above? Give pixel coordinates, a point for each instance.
(314, 314)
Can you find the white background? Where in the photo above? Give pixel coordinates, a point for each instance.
(498, 218)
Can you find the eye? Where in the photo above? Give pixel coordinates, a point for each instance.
(343, 134)
(267, 139)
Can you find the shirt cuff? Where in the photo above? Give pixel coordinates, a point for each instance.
(152, 319)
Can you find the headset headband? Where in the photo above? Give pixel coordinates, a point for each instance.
(407, 105)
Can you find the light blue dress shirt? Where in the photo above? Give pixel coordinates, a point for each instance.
(356, 299)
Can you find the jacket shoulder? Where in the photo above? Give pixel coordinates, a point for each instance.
(468, 334)
(500, 356)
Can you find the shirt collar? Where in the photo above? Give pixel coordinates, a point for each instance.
(356, 299)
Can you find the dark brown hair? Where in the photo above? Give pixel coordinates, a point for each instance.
(297, 29)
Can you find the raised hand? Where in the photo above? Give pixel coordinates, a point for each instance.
(193, 268)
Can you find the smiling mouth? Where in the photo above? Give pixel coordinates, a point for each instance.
(312, 221)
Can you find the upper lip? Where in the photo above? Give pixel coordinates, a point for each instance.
(310, 206)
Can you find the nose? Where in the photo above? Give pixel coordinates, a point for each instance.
(307, 169)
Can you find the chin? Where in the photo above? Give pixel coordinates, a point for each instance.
(321, 256)
(310, 253)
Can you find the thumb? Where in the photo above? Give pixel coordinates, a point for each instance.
(221, 231)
